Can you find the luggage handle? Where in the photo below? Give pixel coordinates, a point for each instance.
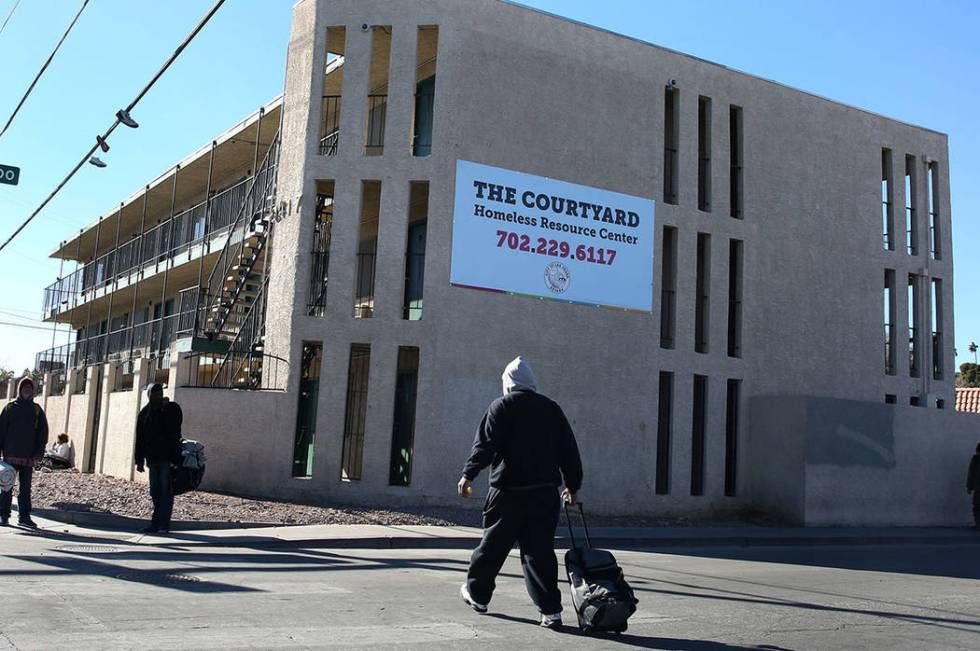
(585, 525)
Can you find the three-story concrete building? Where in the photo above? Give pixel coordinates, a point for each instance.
(776, 334)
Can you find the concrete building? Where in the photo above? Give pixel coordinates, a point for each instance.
(302, 291)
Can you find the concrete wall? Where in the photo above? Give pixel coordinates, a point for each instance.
(117, 424)
(820, 461)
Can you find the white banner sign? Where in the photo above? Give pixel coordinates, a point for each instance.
(526, 234)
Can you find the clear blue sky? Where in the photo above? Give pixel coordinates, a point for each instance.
(909, 60)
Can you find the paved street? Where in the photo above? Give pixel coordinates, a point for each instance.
(88, 590)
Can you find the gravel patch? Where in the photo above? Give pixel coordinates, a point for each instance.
(73, 491)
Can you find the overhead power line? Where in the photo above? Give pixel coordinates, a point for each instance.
(22, 325)
(122, 113)
(44, 67)
(7, 19)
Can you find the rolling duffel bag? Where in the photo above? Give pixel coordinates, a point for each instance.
(602, 598)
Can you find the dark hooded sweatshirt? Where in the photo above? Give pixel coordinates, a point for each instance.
(973, 475)
(158, 434)
(23, 430)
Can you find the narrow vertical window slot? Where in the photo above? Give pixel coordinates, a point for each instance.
(704, 154)
(665, 412)
(668, 285)
(320, 252)
(671, 136)
(887, 214)
(367, 248)
(735, 158)
(935, 246)
(377, 100)
(309, 392)
(914, 317)
(701, 307)
(698, 425)
(731, 436)
(403, 424)
(355, 415)
(889, 321)
(425, 87)
(418, 211)
(735, 298)
(937, 329)
(911, 196)
(333, 87)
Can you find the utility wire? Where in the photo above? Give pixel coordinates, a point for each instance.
(117, 121)
(43, 68)
(7, 19)
(22, 325)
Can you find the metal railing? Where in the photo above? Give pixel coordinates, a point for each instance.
(153, 247)
(422, 136)
(364, 287)
(329, 125)
(667, 301)
(204, 371)
(256, 205)
(377, 110)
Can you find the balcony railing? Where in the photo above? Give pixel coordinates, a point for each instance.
(168, 240)
(377, 109)
(330, 125)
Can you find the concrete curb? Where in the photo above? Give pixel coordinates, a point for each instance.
(113, 521)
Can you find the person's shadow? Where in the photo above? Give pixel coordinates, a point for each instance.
(638, 641)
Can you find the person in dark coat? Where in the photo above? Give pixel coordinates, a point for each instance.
(973, 486)
(530, 448)
(23, 437)
(158, 446)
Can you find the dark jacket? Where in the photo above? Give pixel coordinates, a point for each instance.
(973, 474)
(23, 430)
(158, 434)
(527, 441)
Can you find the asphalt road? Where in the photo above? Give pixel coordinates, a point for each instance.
(98, 592)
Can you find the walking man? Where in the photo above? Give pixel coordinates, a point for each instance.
(973, 485)
(23, 437)
(530, 448)
(158, 446)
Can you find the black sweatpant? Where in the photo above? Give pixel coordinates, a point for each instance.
(976, 507)
(529, 518)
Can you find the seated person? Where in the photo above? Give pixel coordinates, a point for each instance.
(61, 455)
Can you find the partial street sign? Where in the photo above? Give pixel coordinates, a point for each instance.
(9, 174)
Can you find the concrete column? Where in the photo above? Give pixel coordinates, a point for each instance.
(11, 388)
(46, 391)
(401, 91)
(389, 279)
(353, 108)
(109, 374)
(380, 412)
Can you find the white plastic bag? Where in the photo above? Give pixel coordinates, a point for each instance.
(192, 454)
(8, 477)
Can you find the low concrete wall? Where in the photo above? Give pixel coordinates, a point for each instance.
(56, 411)
(248, 437)
(80, 417)
(820, 461)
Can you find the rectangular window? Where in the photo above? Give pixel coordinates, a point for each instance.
(668, 284)
(377, 100)
(888, 308)
(914, 401)
(671, 129)
(698, 425)
(333, 86)
(940, 403)
(367, 249)
(735, 298)
(309, 392)
(937, 328)
(425, 87)
(932, 192)
(731, 436)
(418, 213)
(665, 412)
(911, 228)
(704, 154)
(735, 158)
(355, 414)
(322, 230)
(887, 215)
(403, 425)
(702, 285)
(891, 399)
(914, 319)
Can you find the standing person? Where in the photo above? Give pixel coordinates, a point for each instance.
(23, 436)
(158, 446)
(530, 448)
(973, 485)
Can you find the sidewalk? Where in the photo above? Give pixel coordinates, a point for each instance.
(339, 536)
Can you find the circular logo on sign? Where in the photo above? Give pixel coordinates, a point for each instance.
(556, 277)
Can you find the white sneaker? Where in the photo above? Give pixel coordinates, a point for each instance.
(551, 621)
(465, 594)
